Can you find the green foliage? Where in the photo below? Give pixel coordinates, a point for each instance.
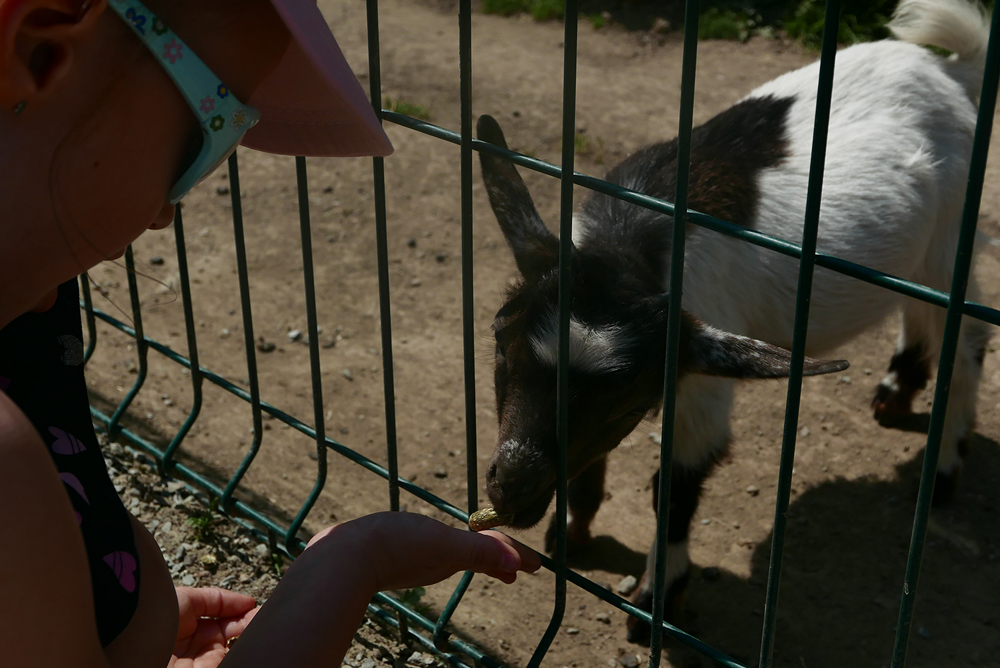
(730, 24)
(596, 20)
(203, 522)
(505, 7)
(411, 599)
(591, 148)
(278, 563)
(860, 21)
(543, 10)
(408, 109)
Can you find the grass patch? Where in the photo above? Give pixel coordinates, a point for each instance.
(728, 24)
(540, 10)
(505, 7)
(586, 147)
(408, 109)
(860, 20)
(203, 523)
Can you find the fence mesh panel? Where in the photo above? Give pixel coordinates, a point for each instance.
(282, 535)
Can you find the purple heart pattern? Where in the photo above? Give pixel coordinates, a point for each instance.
(123, 564)
(65, 443)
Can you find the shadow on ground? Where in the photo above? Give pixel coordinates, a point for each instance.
(844, 561)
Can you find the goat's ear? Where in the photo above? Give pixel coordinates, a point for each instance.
(536, 250)
(712, 352)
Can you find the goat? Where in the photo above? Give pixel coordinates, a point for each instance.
(900, 138)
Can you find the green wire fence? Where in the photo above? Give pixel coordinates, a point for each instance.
(432, 633)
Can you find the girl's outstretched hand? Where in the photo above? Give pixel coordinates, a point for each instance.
(403, 550)
(208, 618)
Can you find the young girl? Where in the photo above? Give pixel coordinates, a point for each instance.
(110, 111)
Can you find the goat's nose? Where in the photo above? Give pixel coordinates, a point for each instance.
(511, 490)
(494, 486)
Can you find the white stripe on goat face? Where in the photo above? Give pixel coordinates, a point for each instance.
(592, 349)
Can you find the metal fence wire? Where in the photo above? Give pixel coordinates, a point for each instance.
(432, 633)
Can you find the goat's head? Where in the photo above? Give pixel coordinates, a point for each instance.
(616, 349)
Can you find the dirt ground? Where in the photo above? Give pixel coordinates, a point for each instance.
(854, 483)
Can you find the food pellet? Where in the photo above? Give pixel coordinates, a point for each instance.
(487, 518)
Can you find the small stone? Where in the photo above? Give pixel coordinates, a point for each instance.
(265, 346)
(572, 630)
(261, 550)
(156, 259)
(627, 585)
(294, 335)
(346, 373)
(174, 486)
(710, 574)
(804, 432)
(368, 663)
(179, 553)
(415, 283)
(224, 334)
(188, 580)
(629, 661)
(846, 380)
(753, 490)
(706, 521)
(441, 473)
(222, 190)
(603, 617)
(328, 342)
(661, 25)
(166, 527)
(209, 559)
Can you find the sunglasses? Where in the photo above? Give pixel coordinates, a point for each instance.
(224, 120)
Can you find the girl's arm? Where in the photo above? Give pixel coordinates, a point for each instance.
(315, 610)
(47, 615)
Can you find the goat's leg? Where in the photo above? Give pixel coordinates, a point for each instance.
(584, 496)
(685, 490)
(909, 370)
(960, 419)
(910, 366)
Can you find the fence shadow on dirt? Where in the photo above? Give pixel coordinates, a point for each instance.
(844, 560)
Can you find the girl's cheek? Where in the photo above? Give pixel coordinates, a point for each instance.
(111, 176)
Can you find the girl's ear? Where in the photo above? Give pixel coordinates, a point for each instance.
(38, 41)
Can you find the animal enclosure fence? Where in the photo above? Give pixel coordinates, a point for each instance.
(433, 633)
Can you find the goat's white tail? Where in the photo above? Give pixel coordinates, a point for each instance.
(960, 26)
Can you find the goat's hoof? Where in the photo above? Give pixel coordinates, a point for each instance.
(638, 631)
(945, 486)
(577, 538)
(891, 404)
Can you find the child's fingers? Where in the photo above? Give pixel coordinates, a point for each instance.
(530, 561)
(214, 602)
(497, 555)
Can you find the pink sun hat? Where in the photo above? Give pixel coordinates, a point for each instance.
(312, 104)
